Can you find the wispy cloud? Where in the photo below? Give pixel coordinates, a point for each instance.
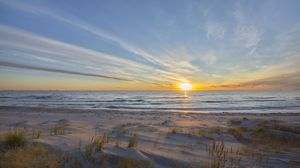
(209, 57)
(29, 67)
(168, 65)
(215, 30)
(50, 50)
(203, 42)
(246, 33)
(21, 39)
(249, 36)
(72, 20)
(283, 81)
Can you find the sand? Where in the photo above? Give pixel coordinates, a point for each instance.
(165, 139)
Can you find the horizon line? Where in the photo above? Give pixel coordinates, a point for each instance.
(195, 90)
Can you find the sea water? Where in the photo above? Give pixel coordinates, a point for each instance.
(160, 101)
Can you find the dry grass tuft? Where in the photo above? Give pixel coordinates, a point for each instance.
(276, 141)
(221, 157)
(217, 155)
(176, 130)
(216, 130)
(60, 128)
(118, 143)
(277, 137)
(128, 162)
(200, 132)
(274, 137)
(58, 131)
(243, 129)
(235, 121)
(237, 133)
(204, 133)
(96, 145)
(132, 141)
(36, 134)
(14, 139)
(30, 156)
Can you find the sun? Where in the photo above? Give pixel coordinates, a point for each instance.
(185, 86)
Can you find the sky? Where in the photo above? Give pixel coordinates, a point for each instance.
(149, 45)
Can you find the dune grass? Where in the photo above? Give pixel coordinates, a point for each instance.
(19, 153)
(237, 133)
(133, 141)
(14, 139)
(268, 134)
(220, 156)
(277, 137)
(117, 142)
(58, 131)
(196, 132)
(36, 134)
(60, 128)
(275, 142)
(175, 131)
(235, 121)
(128, 162)
(33, 155)
(203, 133)
(215, 130)
(217, 155)
(96, 144)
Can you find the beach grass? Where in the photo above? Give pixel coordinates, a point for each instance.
(274, 140)
(60, 128)
(235, 121)
(32, 155)
(128, 162)
(36, 134)
(175, 131)
(133, 141)
(14, 139)
(257, 141)
(96, 144)
(222, 156)
(268, 134)
(237, 133)
(215, 130)
(20, 152)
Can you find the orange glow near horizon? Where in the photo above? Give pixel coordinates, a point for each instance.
(60, 82)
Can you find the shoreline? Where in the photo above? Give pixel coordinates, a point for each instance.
(77, 110)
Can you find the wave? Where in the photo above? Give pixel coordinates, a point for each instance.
(260, 97)
(239, 101)
(118, 100)
(206, 108)
(163, 101)
(35, 97)
(5, 97)
(216, 101)
(168, 97)
(265, 100)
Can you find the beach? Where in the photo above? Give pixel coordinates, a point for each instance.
(161, 139)
(150, 84)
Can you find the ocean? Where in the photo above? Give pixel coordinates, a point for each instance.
(162, 101)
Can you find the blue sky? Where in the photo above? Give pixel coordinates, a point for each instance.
(149, 44)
